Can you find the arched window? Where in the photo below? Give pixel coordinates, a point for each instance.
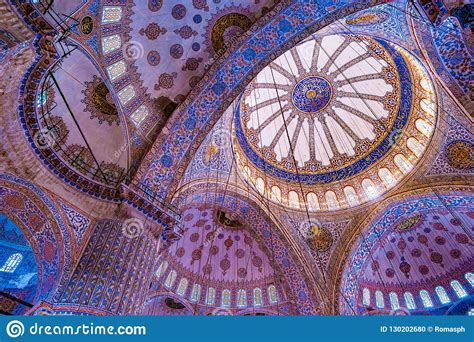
(409, 301)
(313, 203)
(403, 164)
(387, 177)
(257, 297)
(43, 96)
(366, 296)
(275, 194)
(246, 172)
(458, 288)
(442, 295)
(272, 294)
(415, 146)
(210, 296)
(426, 299)
(379, 300)
(470, 278)
(242, 298)
(182, 287)
(293, 199)
(195, 293)
(161, 269)
(12, 263)
(424, 127)
(111, 14)
(428, 106)
(351, 196)
(170, 279)
(260, 185)
(394, 301)
(331, 200)
(369, 188)
(225, 300)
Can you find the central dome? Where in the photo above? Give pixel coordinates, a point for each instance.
(333, 109)
(312, 94)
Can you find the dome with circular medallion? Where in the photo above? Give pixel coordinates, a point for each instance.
(334, 122)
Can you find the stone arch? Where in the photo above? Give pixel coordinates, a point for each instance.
(35, 213)
(300, 287)
(405, 212)
(156, 305)
(165, 163)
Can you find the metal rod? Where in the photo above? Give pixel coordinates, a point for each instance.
(77, 124)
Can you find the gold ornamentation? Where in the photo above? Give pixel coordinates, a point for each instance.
(460, 155)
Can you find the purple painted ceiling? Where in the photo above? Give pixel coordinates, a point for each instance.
(219, 254)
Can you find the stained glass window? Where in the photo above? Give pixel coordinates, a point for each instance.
(379, 300)
(428, 106)
(442, 295)
(170, 279)
(111, 14)
(210, 296)
(366, 296)
(260, 185)
(409, 301)
(116, 70)
(225, 300)
(331, 200)
(246, 172)
(394, 301)
(313, 203)
(276, 194)
(387, 177)
(161, 269)
(415, 146)
(41, 101)
(458, 288)
(242, 298)
(126, 94)
(470, 278)
(293, 199)
(139, 115)
(426, 299)
(351, 196)
(111, 43)
(257, 297)
(424, 127)
(195, 293)
(182, 287)
(272, 294)
(12, 263)
(369, 188)
(403, 164)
